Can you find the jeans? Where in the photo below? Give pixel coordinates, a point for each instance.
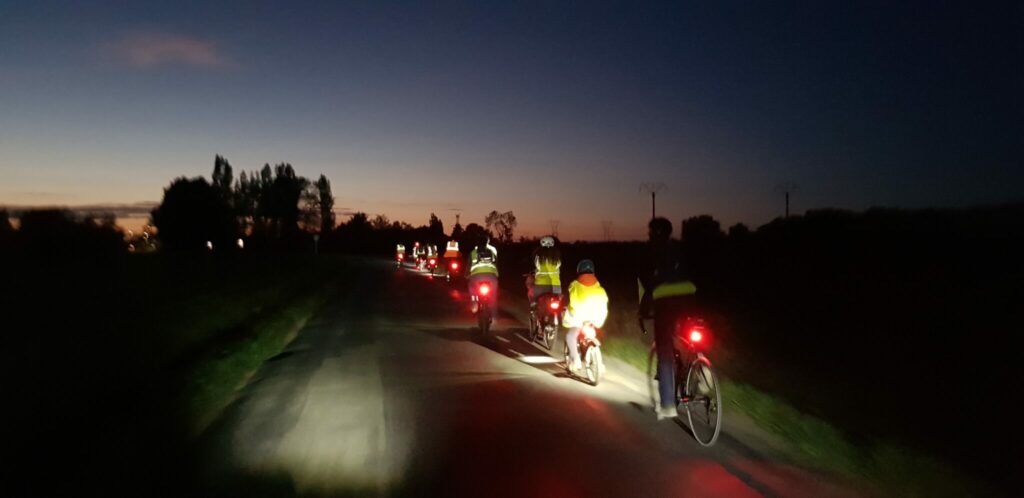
(668, 312)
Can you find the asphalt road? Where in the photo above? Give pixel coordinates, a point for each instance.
(390, 391)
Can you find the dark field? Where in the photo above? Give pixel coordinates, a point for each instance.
(119, 362)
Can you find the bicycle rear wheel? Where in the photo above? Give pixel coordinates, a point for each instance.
(703, 401)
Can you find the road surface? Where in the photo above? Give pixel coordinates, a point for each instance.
(389, 391)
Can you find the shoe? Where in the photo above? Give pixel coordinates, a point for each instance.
(665, 412)
(576, 367)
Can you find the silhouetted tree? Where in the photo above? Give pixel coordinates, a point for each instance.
(739, 230)
(57, 232)
(5, 223)
(702, 242)
(309, 209)
(701, 230)
(193, 212)
(457, 231)
(472, 236)
(435, 230)
(7, 234)
(222, 178)
(247, 194)
(279, 200)
(501, 224)
(326, 199)
(381, 222)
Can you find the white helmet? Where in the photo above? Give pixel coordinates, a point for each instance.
(547, 241)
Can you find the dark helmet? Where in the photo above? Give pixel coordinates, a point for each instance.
(659, 229)
(585, 266)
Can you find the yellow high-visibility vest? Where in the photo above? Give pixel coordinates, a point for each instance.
(547, 273)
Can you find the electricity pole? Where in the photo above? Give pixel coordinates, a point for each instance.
(653, 188)
(554, 227)
(606, 225)
(786, 189)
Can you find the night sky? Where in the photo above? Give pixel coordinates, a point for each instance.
(555, 110)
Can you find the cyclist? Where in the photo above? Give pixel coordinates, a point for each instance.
(483, 267)
(588, 302)
(547, 263)
(665, 294)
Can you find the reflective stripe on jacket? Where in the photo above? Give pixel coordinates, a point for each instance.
(668, 289)
(588, 302)
(477, 267)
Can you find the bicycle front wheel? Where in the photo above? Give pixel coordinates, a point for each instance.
(703, 401)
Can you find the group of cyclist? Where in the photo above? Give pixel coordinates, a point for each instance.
(665, 294)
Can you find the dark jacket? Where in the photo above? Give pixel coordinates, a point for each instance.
(660, 263)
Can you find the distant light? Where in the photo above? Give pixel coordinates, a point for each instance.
(209, 245)
(240, 243)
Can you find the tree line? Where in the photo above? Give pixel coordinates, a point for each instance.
(278, 209)
(273, 206)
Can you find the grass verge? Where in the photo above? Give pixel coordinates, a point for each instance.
(213, 380)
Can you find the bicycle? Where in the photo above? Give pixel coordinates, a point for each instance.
(697, 388)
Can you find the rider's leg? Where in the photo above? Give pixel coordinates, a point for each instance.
(572, 340)
(472, 283)
(665, 315)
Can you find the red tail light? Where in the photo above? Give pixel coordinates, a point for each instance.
(485, 289)
(401, 257)
(696, 336)
(455, 266)
(554, 305)
(433, 262)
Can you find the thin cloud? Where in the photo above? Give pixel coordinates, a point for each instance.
(151, 49)
(121, 211)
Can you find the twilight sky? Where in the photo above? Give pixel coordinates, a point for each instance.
(555, 110)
